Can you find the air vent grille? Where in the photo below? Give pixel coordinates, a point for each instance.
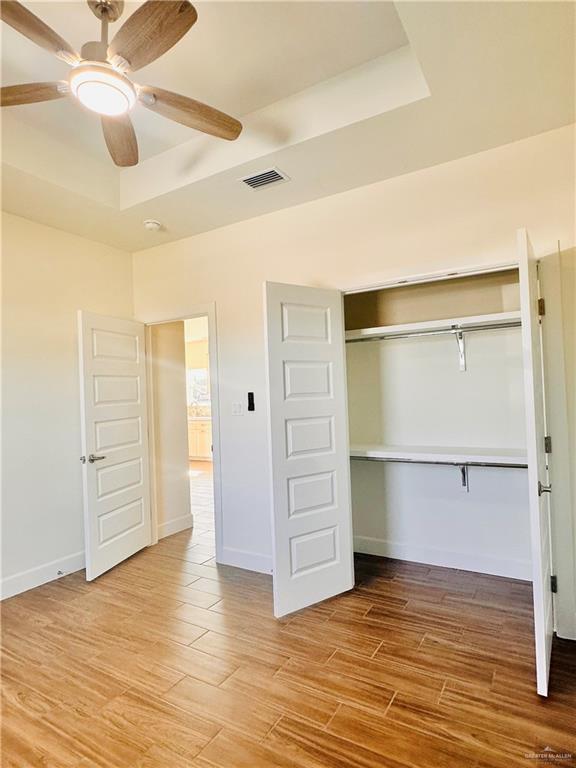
(265, 178)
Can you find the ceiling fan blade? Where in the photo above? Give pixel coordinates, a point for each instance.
(152, 30)
(189, 112)
(29, 25)
(120, 140)
(31, 93)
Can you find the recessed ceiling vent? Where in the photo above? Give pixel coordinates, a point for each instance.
(265, 178)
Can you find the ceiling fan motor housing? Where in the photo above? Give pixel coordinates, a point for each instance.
(111, 9)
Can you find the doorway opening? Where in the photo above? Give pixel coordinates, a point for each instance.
(199, 420)
(183, 421)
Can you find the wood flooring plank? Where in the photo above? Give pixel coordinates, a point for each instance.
(136, 714)
(29, 742)
(240, 651)
(224, 707)
(411, 747)
(154, 628)
(192, 661)
(317, 748)
(234, 750)
(310, 629)
(510, 716)
(222, 623)
(439, 722)
(137, 671)
(95, 740)
(331, 682)
(395, 676)
(281, 694)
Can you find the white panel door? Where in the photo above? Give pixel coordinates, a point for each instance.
(114, 440)
(537, 471)
(311, 508)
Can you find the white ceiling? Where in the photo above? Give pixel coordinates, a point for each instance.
(494, 73)
(238, 57)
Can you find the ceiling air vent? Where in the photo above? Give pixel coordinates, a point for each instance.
(265, 178)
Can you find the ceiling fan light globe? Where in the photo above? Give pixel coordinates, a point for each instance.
(102, 89)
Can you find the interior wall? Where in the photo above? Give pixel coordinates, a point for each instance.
(568, 271)
(197, 354)
(411, 392)
(457, 215)
(439, 300)
(172, 484)
(48, 275)
(423, 514)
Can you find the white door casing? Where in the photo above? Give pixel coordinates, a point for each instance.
(537, 471)
(311, 506)
(114, 426)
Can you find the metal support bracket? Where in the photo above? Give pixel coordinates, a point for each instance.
(461, 349)
(465, 478)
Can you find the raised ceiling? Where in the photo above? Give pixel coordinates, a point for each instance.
(238, 57)
(336, 94)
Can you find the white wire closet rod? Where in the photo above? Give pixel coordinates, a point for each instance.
(444, 463)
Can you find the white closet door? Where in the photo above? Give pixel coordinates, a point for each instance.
(114, 440)
(312, 519)
(537, 472)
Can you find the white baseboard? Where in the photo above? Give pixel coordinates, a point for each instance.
(34, 577)
(249, 561)
(464, 561)
(171, 527)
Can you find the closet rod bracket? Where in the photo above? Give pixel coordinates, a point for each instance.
(460, 340)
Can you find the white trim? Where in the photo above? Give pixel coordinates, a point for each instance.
(41, 574)
(154, 502)
(434, 277)
(464, 561)
(174, 526)
(201, 310)
(249, 561)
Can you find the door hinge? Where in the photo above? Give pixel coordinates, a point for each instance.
(554, 584)
(548, 444)
(541, 307)
(543, 488)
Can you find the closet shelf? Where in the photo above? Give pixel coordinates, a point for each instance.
(508, 457)
(496, 320)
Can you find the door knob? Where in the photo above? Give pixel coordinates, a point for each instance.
(92, 458)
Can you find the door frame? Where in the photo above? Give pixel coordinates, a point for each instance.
(160, 318)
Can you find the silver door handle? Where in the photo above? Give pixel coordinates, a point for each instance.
(93, 458)
(543, 488)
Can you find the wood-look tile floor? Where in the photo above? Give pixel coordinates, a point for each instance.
(170, 661)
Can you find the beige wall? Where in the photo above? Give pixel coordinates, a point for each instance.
(568, 270)
(172, 489)
(460, 214)
(48, 275)
(197, 354)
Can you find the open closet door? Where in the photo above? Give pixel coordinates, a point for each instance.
(538, 489)
(114, 440)
(311, 508)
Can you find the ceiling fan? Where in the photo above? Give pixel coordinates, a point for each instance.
(98, 78)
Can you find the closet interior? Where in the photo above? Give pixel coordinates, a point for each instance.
(437, 423)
